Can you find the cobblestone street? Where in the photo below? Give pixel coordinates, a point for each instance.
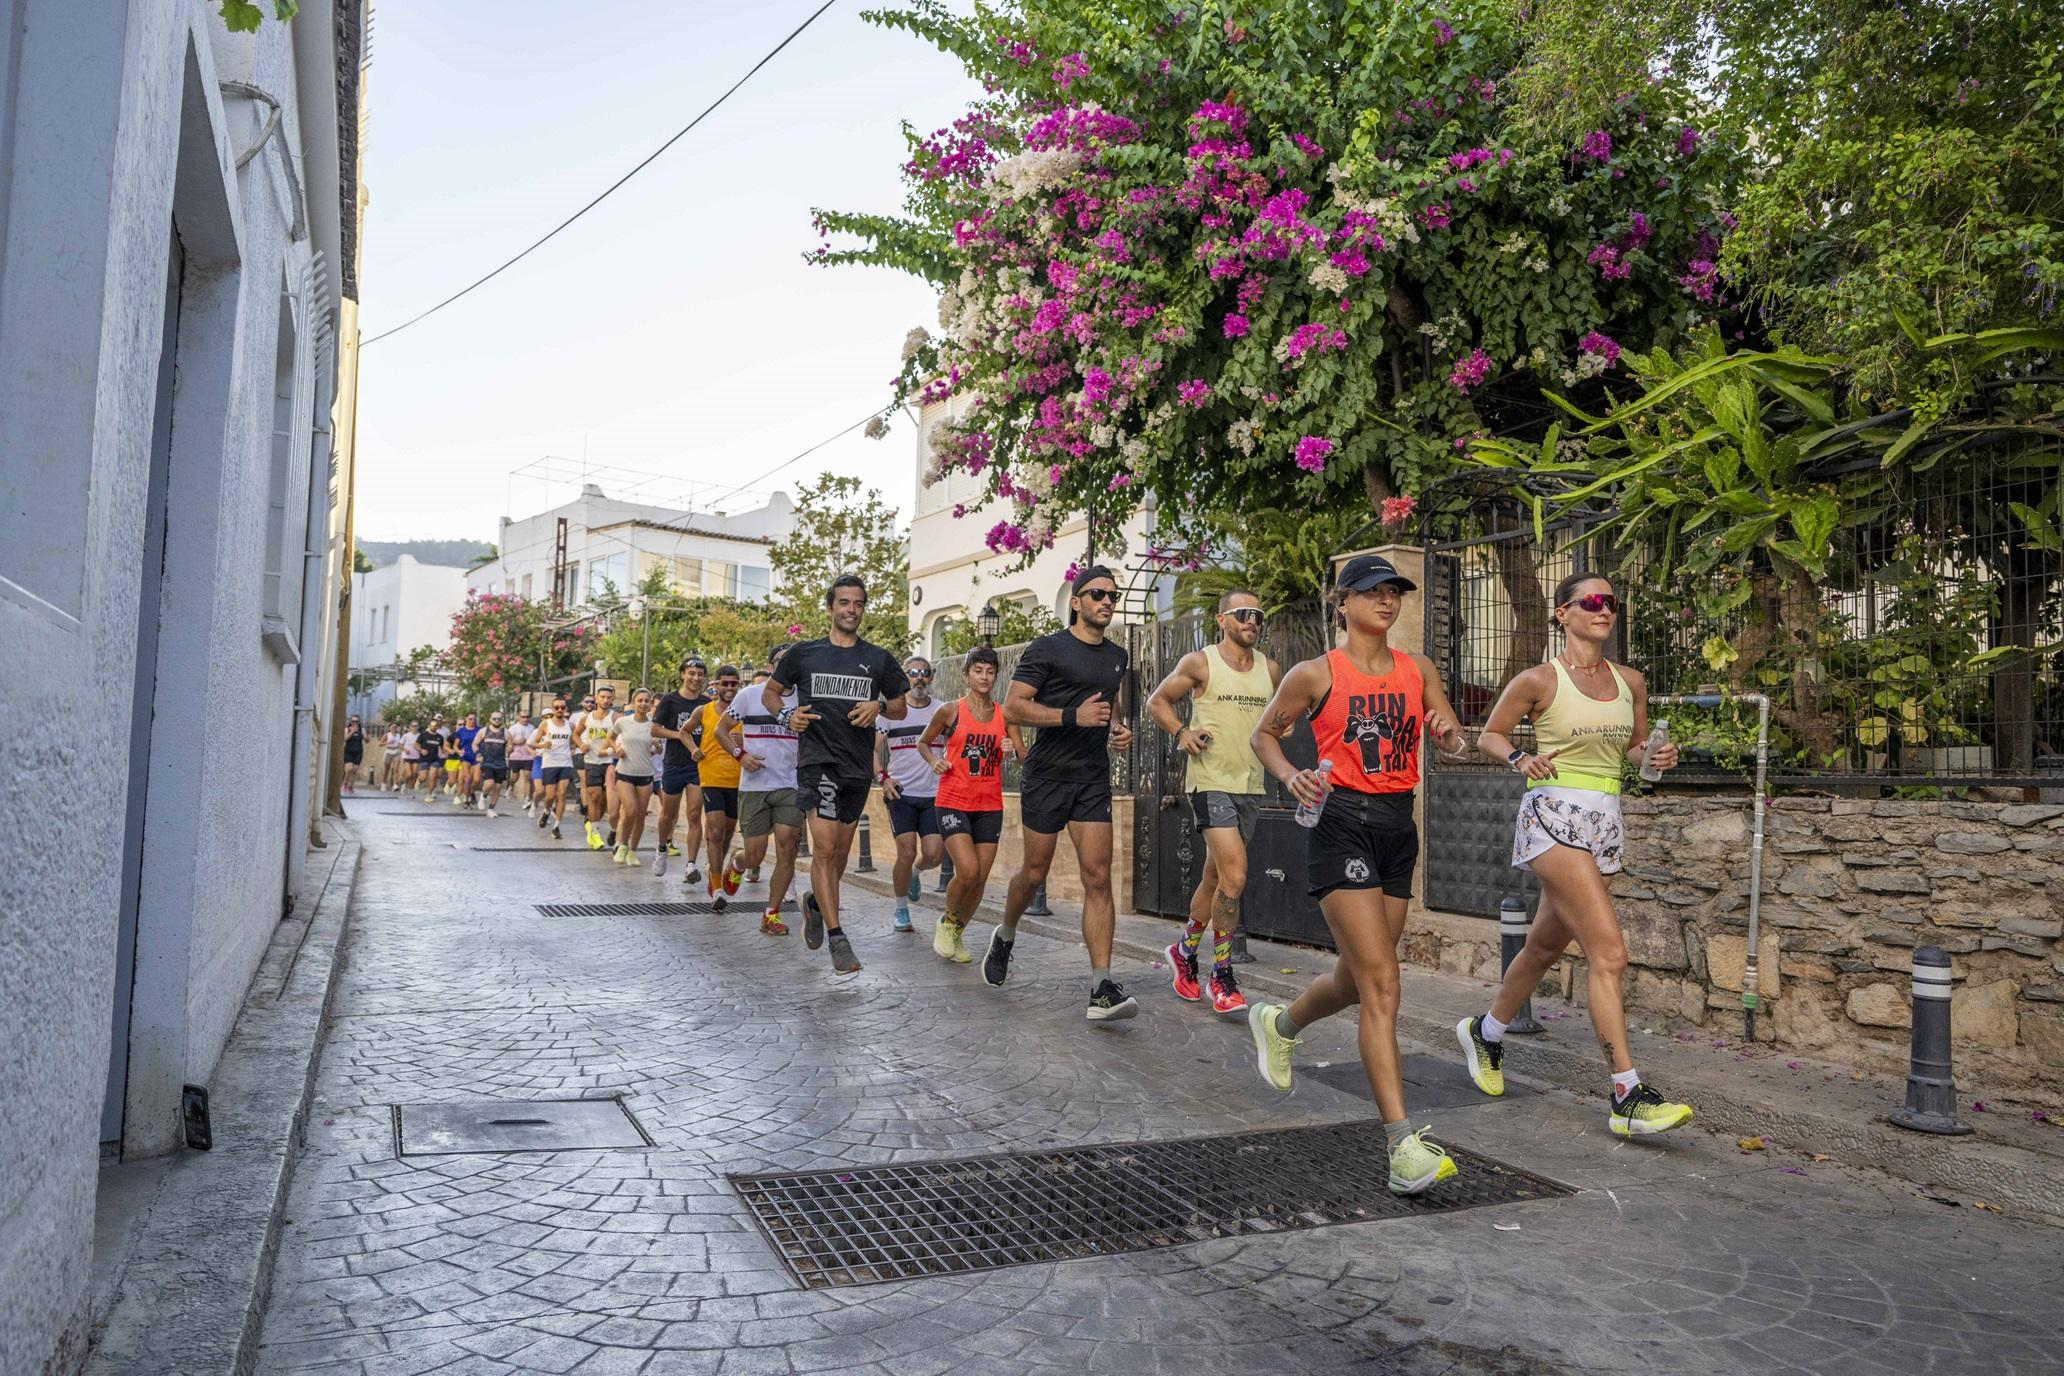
(742, 1053)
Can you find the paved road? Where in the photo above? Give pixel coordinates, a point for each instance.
(742, 1053)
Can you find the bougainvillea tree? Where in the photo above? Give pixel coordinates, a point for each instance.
(497, 639)
(1245, 254)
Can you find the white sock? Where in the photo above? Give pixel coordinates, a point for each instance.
(1623, 1082)
(1492, 1029)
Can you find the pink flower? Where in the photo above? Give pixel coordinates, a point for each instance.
(1687, 141)
(794, 631)
(1398, 510)
(1068, 574)
(1597, 146)
(1596, 343)
(1118, 480)
(1235, 326)
(1073, 67)
(1470, 370)
(1194, 392)
(1311, 453)
(1442, 34)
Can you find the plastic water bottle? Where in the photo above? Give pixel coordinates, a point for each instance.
(1308, 813)
(1650, 773)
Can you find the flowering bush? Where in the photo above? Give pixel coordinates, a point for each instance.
(496, 639)
(1276, 257)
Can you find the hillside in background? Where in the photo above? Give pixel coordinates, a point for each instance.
(452, 553)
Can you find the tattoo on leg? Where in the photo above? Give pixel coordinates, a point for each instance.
(1607, 1047)
(1225, 912)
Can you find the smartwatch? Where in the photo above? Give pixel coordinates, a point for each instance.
(1515, 757)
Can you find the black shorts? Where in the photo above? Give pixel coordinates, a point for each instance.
(555, 774)
(598, 775)
(1363, 841)
(722, 801)
(983, 828)
(634, 780)
(495, 773)
(1048, 805)
(676, 779)
(822, 791)
(354, 754)
(913, 814)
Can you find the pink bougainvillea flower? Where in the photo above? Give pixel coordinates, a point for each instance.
(1311, 453)
(794, 631)
(1398, 510)
(1470, 370)
(1235, 326)
(1194, 392)
(1596, 145)
(1595, 343)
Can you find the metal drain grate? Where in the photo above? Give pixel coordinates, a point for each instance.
(738, 905)
(1430, 1082)
(883, 1223)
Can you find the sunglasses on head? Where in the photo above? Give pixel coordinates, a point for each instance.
(1595, 602)
(1100, 594)
(1247, 615)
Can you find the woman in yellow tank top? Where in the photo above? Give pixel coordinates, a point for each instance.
(1590, 717)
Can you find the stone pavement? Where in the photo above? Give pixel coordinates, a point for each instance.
(739, 1052)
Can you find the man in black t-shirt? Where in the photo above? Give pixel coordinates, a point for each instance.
(841, 684)
(430, 745)
(1067, 686)
(675, 722)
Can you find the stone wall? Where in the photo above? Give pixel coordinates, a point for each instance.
(1850, 887)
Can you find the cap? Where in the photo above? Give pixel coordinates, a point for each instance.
(1089, 575)
(1366, 571)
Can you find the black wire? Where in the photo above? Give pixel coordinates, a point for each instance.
(613, 185)
(792, 459)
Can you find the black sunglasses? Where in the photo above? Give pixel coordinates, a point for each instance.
(1099, 594)
(1595, 602)
(1251, 616)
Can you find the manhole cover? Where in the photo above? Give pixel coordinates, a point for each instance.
(882, 1223)
(738, 905)
(499, 1125)
(1430, 1082)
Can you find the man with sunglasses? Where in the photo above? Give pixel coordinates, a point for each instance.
(1229, 686)
(596, 729)
(554, 744)
(1066, 686)
(677, 721)
(909, 790)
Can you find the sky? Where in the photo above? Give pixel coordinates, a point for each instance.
(673, 330)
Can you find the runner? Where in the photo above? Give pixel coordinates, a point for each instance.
(1228, 685)
(580, 761)
(390, 758)
(522, 757)
(766, 753)
(469, 761)
(491, 748)
(842, 683)
(554, 744)
(411, 758)
(454, 765)
(717, 772)
(977, 740)
(1066, 685)
(631, 742)
(1369, 705)
(909, 788)
(354, 754)
(1590, 716)
(593, 728)
(680, 796)
(430, 757)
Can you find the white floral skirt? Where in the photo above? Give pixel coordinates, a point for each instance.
(1582, 818)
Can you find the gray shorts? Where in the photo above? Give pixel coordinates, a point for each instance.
(760, 813)
(1215, 809)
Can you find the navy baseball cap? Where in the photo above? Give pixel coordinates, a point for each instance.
(1366, 571)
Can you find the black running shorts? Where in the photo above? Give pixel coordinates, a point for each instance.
(1363, 841)
(1048, 805)
(722, 802)
(822, 791)
(983, 828)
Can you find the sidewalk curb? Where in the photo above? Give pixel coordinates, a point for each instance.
(1989, 1171)
(192, 1296)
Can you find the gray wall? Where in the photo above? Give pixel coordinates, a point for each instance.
(114, 129)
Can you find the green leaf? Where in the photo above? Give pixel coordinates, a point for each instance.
(2041, 532)
(1914, 432)
(1814, 520)
(241, 16)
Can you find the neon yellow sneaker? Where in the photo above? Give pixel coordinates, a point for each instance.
(1484, 1060)
(594, 837)
(618, 857)
(960, 950)
(1644, 1113)
(942, 938)
(1416, 1164)
(1271, 1048)
(631, 859)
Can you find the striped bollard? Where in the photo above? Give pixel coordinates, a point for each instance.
(1512, 934)
(866, 847)
(1930, 1091)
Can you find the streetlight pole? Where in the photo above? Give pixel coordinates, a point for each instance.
(639, 608)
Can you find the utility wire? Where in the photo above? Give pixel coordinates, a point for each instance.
(613, 185)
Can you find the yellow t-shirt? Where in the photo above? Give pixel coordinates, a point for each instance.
(719, 767)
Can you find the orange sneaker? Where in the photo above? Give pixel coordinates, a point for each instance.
(773, 925)
(1225, 993)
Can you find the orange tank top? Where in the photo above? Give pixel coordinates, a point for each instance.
(1370, 726)
(973, 781)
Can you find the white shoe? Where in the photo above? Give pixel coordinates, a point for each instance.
(490, 812)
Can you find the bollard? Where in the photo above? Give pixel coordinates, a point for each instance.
(1037, 907)
(866, 847)
(1930, 1092)
(945, 872)
(1241, 955)
(1512, 934)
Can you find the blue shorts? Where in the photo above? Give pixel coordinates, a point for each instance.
(556, 774)
(677, 778)
(913, 814)
(537, 766)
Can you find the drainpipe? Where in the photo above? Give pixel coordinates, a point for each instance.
(308, 669)
(1762, 805)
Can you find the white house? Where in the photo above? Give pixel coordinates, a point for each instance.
(396, 609)
(173, 200)
(954, 573)
(613, 543)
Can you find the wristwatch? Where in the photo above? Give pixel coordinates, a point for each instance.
(1515, 757)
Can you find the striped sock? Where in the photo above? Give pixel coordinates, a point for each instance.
(1192, 937)
(1221, 950)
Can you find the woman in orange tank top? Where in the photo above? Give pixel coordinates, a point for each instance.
(976, 740)
(1370, 705)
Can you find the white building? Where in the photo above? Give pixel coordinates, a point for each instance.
(173, 206)
(954, 573)
(395, 610)
(612, 543)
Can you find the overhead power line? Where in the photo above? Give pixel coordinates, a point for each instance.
(649, 160)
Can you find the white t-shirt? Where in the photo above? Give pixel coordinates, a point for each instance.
(912, 775)
(636, 739)
(774, 745)
(558, 751)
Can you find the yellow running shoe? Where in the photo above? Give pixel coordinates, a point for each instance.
(1485, 1060)
(960, 950)
(942, 939)
(1644, 1113)
(631, 859)
(618, 857)
(1271, 1048)
(1416, 1164)
(594, 837)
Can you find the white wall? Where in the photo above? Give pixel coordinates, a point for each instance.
(395, 609)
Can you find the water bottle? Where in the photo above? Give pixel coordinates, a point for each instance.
(1308, 813)
(1649, 772)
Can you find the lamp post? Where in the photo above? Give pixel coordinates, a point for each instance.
(645, 657)
(988, 624)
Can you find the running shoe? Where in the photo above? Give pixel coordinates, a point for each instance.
(1271, 1048)
(694, 875)
(813, 922)
(631, 859)
(718, 903)
(842, 958)
(1485, 1060)
(659, 859)
(555, 832)
(943, 938)
(1416, 1163)
(544, 820)
(1225, 992)
(672, 849)
(961, 954)
(529, 808)
(1644, 1113)
(1110, 1002)
(772, 925)
(732, 878)
(612, 836)
(996, 960)
(594, 837)
(914, 890)
(617, 855)
(1182, 970)
(490, 812)
(902, 923)
(752, 876)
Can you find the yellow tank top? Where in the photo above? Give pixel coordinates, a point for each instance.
(719, 767)
(1231, 702)
(1592, 736)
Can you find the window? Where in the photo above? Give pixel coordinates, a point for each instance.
(573, 585)
(286, 512)
(610, 573)
(686, 576)
(755, 584)
(526, 587)
(719, 579)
